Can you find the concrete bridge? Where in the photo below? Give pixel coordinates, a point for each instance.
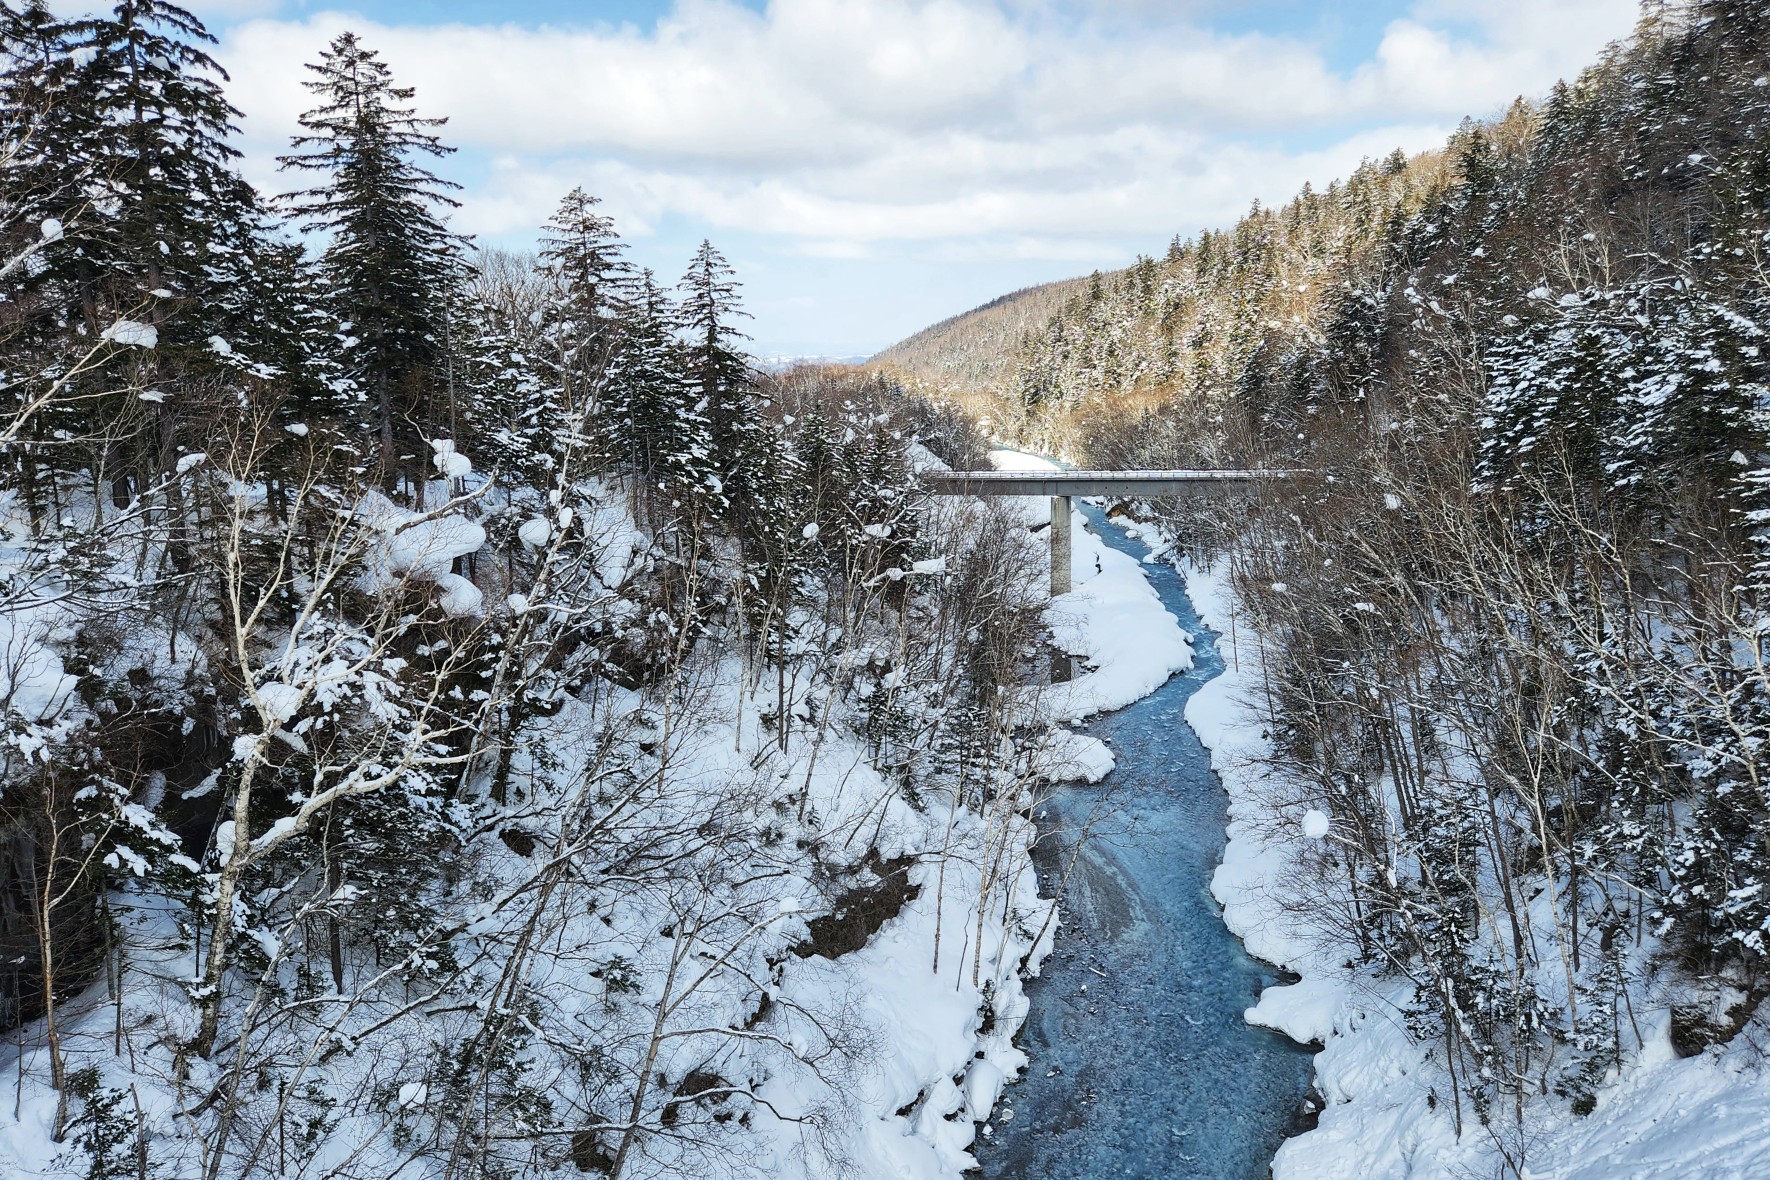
(1060, 486)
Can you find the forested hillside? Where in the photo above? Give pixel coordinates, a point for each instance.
(978, 350)
(456, 717)
(460, 718)
(1513, 615)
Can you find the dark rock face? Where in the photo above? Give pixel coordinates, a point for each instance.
(860, 911)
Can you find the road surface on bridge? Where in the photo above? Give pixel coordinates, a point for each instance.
(1150, 484)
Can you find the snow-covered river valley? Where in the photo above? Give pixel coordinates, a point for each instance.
(1142, 1063)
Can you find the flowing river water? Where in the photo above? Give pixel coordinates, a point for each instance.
(1142, 1065)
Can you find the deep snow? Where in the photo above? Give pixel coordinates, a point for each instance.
(1700, 1118)
(935, 1045)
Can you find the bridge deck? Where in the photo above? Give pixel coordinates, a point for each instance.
(1092, 483)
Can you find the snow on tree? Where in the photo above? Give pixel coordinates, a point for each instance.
(654, 411)
(390, 263)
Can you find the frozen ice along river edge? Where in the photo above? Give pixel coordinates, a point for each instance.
(1142, 1062)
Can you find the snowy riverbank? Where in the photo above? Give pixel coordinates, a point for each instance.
(937, 1067)
(1142, 1063)
(875, 1059)
(886, 1054)
(1124, 643)
(1660, 1117)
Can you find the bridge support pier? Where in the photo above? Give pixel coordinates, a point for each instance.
(1060, 546)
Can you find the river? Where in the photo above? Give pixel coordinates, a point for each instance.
(1142, 1065)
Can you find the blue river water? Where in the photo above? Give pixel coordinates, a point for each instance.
(1142, 1065)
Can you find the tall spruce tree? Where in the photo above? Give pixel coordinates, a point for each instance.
(119, 156)
(118, 130)
(714, 355)
(654, 412)
(44, 168)
(45, 156)
(582, 252)
(582, 256)
(719, 370)
(392, 261)
(184, 217)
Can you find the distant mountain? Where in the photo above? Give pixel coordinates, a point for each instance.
(979, 350)
(783, 362)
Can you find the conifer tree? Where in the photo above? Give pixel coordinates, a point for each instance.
(392, 262)
(44, 171)
(716, 364)
(580, 249)
(581, 257)
(654, 414)
(44, 142)
(123, 149)
(185, 214)
(744, 446)
(510, 407)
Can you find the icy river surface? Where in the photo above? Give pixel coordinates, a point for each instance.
(1142, 1065)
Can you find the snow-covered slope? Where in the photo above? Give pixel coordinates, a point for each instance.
(749, 930)
(1387, 1115)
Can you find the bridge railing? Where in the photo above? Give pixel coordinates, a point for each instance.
(1061, 486)
(1151, 484)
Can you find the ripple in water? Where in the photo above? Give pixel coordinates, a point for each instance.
(1142, 1065)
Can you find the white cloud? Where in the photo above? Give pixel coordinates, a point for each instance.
(217, 11)
(850, 129)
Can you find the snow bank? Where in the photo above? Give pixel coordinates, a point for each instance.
(1067, 756)
(133, 333)
(1116, 624)
(431, 546)
(33, 681)
(1261, 846)
(459, 597)
(916, 1122)
(1113, 620)
(424, 547)
(1663, 1119)
(1670, 1118)
(937, 991)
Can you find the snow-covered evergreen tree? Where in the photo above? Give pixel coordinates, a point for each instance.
(510, 404)
(390, 264)
(719, 372)
(583, 254)
(157, 243)
(656, 413)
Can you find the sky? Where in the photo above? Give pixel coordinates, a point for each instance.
(872, 166)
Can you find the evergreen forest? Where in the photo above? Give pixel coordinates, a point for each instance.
(1512, 609)
(456, 711)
